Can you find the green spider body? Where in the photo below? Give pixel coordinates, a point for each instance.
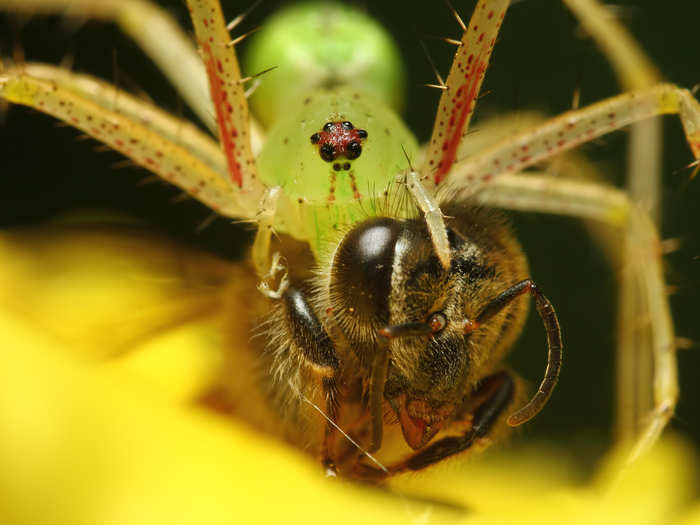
(319, 199)
(332, 64)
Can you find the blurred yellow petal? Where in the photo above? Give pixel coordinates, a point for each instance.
(81, 445)
(113, 293)
(105, 342)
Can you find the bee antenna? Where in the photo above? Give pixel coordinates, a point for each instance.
(554, 354)
(355, 443)
(554, 343)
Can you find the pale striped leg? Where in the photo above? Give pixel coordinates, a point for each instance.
(644, 152)
(574, 128)
(154, 145)
(153, 29)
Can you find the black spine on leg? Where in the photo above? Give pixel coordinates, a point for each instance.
(501, 389)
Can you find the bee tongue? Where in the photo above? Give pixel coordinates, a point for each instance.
(416, 430)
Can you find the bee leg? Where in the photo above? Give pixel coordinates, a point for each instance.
(493, 394)
(311, 339)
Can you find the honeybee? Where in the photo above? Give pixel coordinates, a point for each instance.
(382, 336)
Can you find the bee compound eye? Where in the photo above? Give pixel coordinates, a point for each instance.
(437, 322)
(361, 274)
(347, 126)
(353, 150)
(327, 152)
(315, 138)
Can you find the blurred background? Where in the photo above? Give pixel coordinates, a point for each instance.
(541, 59)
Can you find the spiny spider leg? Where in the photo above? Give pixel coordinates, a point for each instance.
(152, 28)
(574, 128)
(265, 219)
(454, 112)
(433, 217)
(89, 104)
(644, 154)
(462, 89)
(633, 68)
(109, 97)
(228, 94)
(134, 139)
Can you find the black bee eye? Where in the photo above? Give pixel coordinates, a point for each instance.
(362, 133)
(353, 150)
(315, 138)
(328, 127)
(327, 152)
(437, 322)
(347, 125)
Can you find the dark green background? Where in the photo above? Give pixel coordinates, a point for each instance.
(540, 59)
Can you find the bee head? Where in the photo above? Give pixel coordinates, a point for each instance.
(388, 287)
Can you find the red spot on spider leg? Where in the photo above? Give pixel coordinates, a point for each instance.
(223, 116)
(467, 93)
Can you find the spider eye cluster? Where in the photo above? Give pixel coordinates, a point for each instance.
(339, 138)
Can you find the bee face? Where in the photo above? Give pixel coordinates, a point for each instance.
(386, 273)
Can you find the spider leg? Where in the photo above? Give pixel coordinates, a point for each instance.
(574, 128)
(612, 207)
(462, 89)
(633, 67)
(153, 29)
(108, 96)
(228, 95)
(265, 218)
(146, 135)
(634, 71)
(433, 217)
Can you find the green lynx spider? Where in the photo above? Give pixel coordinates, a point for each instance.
(229, 183)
